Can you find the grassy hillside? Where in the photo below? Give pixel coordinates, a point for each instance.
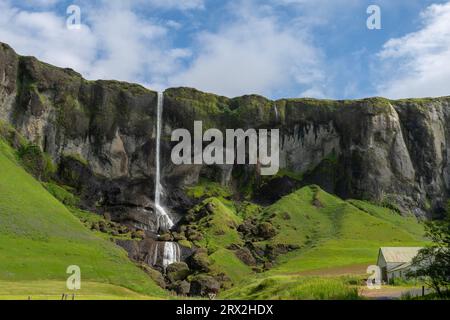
(310, 239)
(333, 237)
(332, 232)
(40, 238)
(216, 222)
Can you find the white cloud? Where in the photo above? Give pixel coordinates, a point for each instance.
(314, 92)
(253, 54)
(117, 44)
(418, 64)
(174, 24)
(44, 34)
(123, 40)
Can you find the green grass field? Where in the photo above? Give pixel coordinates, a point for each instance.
(53, 290)
(40, 238)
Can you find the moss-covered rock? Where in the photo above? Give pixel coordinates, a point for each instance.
(165, 237)
(155, 275)
(245, 256)
(202, 285)
(185, 243)
(199, 261)
(182, 288)
(177, 272)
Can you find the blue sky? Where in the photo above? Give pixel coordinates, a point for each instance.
(284, 48)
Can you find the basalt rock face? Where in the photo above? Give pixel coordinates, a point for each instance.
(102, 136)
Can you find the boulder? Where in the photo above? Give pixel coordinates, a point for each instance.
(248, 227)
(202, 285)
(199, 261)
(194, 235)
(182, 288)
(155, 275)
(131, 247)
(266, 230)
(177, 271)
(245, 256)
(165, 237)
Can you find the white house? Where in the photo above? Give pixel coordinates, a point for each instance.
(395, 262)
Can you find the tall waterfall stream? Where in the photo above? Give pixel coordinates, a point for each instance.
(171, 250)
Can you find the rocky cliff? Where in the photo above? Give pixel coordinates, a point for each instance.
(101, 136)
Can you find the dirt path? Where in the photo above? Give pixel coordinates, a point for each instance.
(389, 293)
(357, 269)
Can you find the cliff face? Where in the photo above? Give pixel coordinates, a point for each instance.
(102, 136)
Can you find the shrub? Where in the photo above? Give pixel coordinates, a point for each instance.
(36, 162)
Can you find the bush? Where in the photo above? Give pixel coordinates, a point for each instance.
(36, 162)
(11, 136)
(432, 263)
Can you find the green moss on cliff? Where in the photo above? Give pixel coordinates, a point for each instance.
(207, 189)
(252, 110)
(76, 157)
(73, 117)
(127, 87)
(38, 163)
(214, 102)
(193, 105)
(11, 136)
(419, 101)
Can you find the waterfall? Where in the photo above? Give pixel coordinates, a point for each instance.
(276, 112)
(172, 253)
(164, 222)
